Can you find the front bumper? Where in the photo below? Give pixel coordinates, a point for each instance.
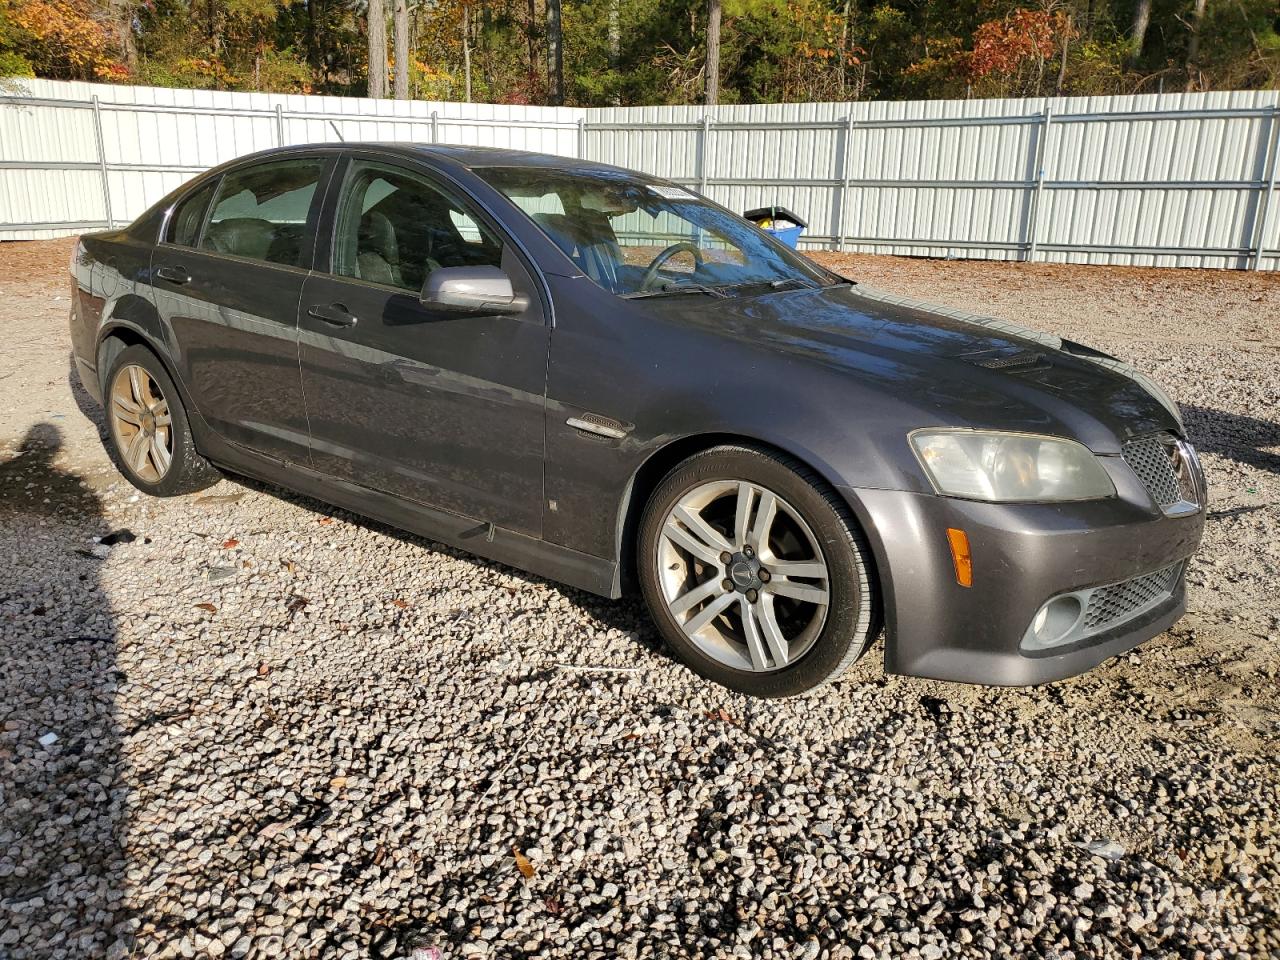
(1023, 555)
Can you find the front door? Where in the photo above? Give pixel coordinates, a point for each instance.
(442, 409)
(226, 282)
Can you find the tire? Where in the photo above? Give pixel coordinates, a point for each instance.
(774, 632)
(162, 462)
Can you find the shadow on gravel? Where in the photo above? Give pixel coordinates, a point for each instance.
(1242, 439)
(88, 406)
(62, 797)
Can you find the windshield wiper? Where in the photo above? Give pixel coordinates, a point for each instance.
(672, 289)
(771, 285)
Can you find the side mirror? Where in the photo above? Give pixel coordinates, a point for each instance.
(471, 290)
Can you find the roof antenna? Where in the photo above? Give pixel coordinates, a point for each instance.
(341, 138)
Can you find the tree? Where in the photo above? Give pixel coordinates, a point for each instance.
(1193, 42)
(377, 28)
(1141, 20)
(713, 52)
(1012, 52)
(605, 52)
(400, 23)
(63, 39)
(466, 51)
(555, 54)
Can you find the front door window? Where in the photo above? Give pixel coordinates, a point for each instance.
(394, 228)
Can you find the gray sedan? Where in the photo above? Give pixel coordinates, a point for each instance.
(605, 379)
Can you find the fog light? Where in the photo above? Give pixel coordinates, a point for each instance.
(1053, 623)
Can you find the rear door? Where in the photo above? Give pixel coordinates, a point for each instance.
(442, 409)
(227, 277)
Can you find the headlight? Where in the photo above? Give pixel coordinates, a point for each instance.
(1003, 467)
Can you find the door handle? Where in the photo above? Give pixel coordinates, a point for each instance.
(333, 313)
(176, 275)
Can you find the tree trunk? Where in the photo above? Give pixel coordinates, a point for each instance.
(845, 13)
(1062, 68)
(713, 53)
(466, 51)
(530, 30)
(1193, 43)
(615, 48)
(377, 49)
(400, 23)
(555, 55)
(1141, 20)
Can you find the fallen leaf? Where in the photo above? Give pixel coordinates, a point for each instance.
(522, 862)
(228, 544)
(338, 783)
(290, 566)
(325, 520)
(379, 855)
(722, 715)
(402, 604)
(553, 906)
(207, 606)
(263, 669)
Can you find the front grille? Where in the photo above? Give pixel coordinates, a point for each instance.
(1158, 463)
(1119, 600)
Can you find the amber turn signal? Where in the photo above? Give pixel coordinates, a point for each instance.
(959, 541)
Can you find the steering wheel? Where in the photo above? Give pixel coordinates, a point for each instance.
(651, 271)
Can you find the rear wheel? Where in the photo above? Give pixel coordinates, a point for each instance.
(150, 435)
(755, 574)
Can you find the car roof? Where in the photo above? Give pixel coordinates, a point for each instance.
(466, 156)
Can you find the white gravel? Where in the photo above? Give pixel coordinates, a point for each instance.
(262, 729)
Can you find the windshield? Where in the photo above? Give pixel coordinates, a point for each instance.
(637, 237)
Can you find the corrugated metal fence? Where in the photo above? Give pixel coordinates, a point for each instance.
(1169, 180)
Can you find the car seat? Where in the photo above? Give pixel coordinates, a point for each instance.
(587, 238)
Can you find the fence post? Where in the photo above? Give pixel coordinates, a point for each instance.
(1033, 216)
(279, 125)
(704, 154)
(102, 161)
(844, 187)
(1268, 188)
(435, 127)
(582, 138)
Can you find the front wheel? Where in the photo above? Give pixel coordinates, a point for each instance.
(756, 576)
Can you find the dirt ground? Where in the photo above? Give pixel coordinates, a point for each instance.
(1173, 750)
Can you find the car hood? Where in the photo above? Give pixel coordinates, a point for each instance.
(955, 368)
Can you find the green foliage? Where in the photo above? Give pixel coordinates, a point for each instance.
(654, 51)
(15, 65)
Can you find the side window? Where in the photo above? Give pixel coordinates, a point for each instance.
(260, 212)
(184, 225)
(395, 227)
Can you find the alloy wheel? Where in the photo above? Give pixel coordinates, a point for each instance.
(141, 423)
(743, 575)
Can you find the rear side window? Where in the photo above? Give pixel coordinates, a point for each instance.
(261, 212)
(184, 225)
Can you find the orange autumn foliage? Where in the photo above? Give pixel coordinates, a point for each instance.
(1003, 46)
(69, 42)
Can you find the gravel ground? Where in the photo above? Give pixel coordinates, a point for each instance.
(263, 729)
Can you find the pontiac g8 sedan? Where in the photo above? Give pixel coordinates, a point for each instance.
(605, 379)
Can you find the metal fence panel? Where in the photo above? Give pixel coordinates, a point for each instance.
(1169, 180)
